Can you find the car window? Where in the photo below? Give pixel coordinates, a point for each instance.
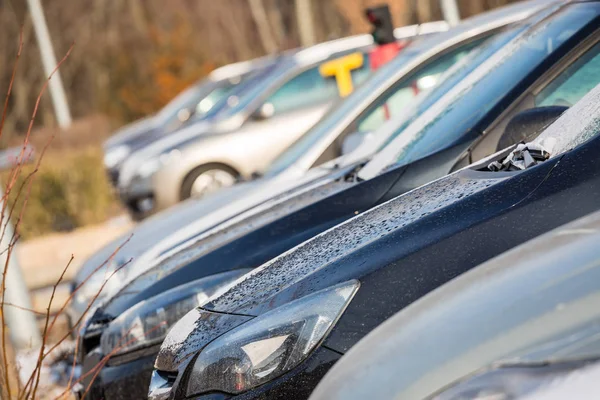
(310, 88)
(399, 97)
(242, 95)
(576, 126)
(354, 102)
(213, 97)
(574, 82)
(448, 120)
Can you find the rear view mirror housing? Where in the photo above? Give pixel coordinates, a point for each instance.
(528, 124)
(263, 112)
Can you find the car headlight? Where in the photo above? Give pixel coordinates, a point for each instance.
(148, 322)
(149, 167)
(115, 156)
(510, 382)
(269, 345)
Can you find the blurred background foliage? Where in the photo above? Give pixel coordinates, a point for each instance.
(70, 188)
(130, 58)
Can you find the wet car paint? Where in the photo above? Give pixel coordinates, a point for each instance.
(533, 305)
(401, 187)
(407, 247)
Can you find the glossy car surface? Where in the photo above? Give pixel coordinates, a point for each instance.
(291, 168)
(254, 249)
(535, 306)
(398, 252)
(248, 250)
(294, 91)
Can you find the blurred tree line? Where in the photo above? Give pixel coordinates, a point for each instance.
(132, 56)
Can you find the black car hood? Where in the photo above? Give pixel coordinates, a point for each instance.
(158, 279)
(305, 268)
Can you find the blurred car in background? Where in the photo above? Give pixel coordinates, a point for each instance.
(517, 325)
(299, 168)
(194, 101)
(246, 130)
(276, 331)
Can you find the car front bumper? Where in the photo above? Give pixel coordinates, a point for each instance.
(129, 380)
(296, 384)
(138, 197)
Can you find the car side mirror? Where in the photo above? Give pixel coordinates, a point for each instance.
(528, 124)
(265, 111)
(184, 114)
(354, 140)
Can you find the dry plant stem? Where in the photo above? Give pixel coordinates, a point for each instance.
(96, 370)
(86, 310)
(44, 335)
(72, 375)
(14, 174)
(2, 321)
(24, 309)
(35, 110)
(26, 390)
(76, 289)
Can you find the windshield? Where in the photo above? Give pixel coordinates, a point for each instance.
(452, 109)
(354, 113)
(198, 100)
(188, 99)
(244, 93)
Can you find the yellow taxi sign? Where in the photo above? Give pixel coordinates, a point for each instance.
(341, 69)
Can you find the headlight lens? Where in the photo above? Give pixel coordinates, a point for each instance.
(115, 156)
(269, 345)
(509, 383)
(148, 322)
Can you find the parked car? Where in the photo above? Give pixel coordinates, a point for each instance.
(276, 331)
(521, 322)
(421, 61)
(194, 101)
(251, 251)
(317, 184)
(245, 131)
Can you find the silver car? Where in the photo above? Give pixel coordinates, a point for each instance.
(193, 102)
(247, 130)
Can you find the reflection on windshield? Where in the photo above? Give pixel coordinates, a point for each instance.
(440, 124)
(394, 101)
(341, 109)
(244, 93)
(185, 100)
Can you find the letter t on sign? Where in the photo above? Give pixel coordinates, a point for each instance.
(341, 69)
